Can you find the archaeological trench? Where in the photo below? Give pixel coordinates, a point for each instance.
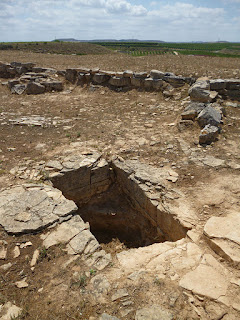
(87, 201)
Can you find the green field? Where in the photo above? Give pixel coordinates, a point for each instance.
(225, 49)
(215, 49)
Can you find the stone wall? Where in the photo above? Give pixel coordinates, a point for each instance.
(156, 80)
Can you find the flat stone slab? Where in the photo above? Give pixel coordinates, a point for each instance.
(64, 232)
(223, 234)
(153, 313)
(209, 279)
(29, 208)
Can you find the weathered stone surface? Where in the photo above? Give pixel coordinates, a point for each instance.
(65, 232)
(35, 257)
(137, 82)
(71, 75)
(120, 293)
(212, 161)
(141, 75)
(100, 284)
(217, 84)
(155, 312)
(128, 74)
(175, 81)
(3, 249)
(100, 78)
(35, 88)
(9, 311)
(208, 279)
(148, 83)
(208, 134)
(106, 316)
(82, 176)
(157, 84)
(233, 84)
(223, 234)
(21, 284)
(200, 91)
(192, 110)
(155, 74)
(53, 85)
(135, 178)
(12, 83)
(83, 242)
(210, 116)
(18, 88)
(30, 208)
(119, 82)
(99, 259)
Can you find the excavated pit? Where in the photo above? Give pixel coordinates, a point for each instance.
(111, 216)
(120, 201)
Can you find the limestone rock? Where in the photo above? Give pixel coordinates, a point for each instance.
(217, 84)
(71, 75)
(21, 284)
(83, 242)
(30, 208)
(137, 82)
(155, 74)
(208, 279)
(209, 116)
(3, 251)
(141, 75)
(106, 316)
(81, 176)
(119, 82)
(175, 81)
(208, 134)
(18, 88)
(128, 74)
(34, 258)
(64, 232)
(148, 83)
(16, 252)
(9, 311)
(192, 110)
(223, 234)
(200, 91)
(100, 78)
(53, 85)
(120, 293)
(100, 284)
(98, 260)
(155, 312)
(157, 84)
(35, 88)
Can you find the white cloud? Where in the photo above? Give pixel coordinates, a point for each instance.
(112, 6)
(25, 20)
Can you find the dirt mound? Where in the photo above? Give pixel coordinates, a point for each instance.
(60, 47)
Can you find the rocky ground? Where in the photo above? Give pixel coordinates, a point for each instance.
(195, 277)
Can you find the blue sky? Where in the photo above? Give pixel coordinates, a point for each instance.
(182, 20)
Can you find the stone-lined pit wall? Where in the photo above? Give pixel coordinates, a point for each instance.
(81, 178)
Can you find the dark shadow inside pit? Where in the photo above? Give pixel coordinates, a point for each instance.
(111, 216)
